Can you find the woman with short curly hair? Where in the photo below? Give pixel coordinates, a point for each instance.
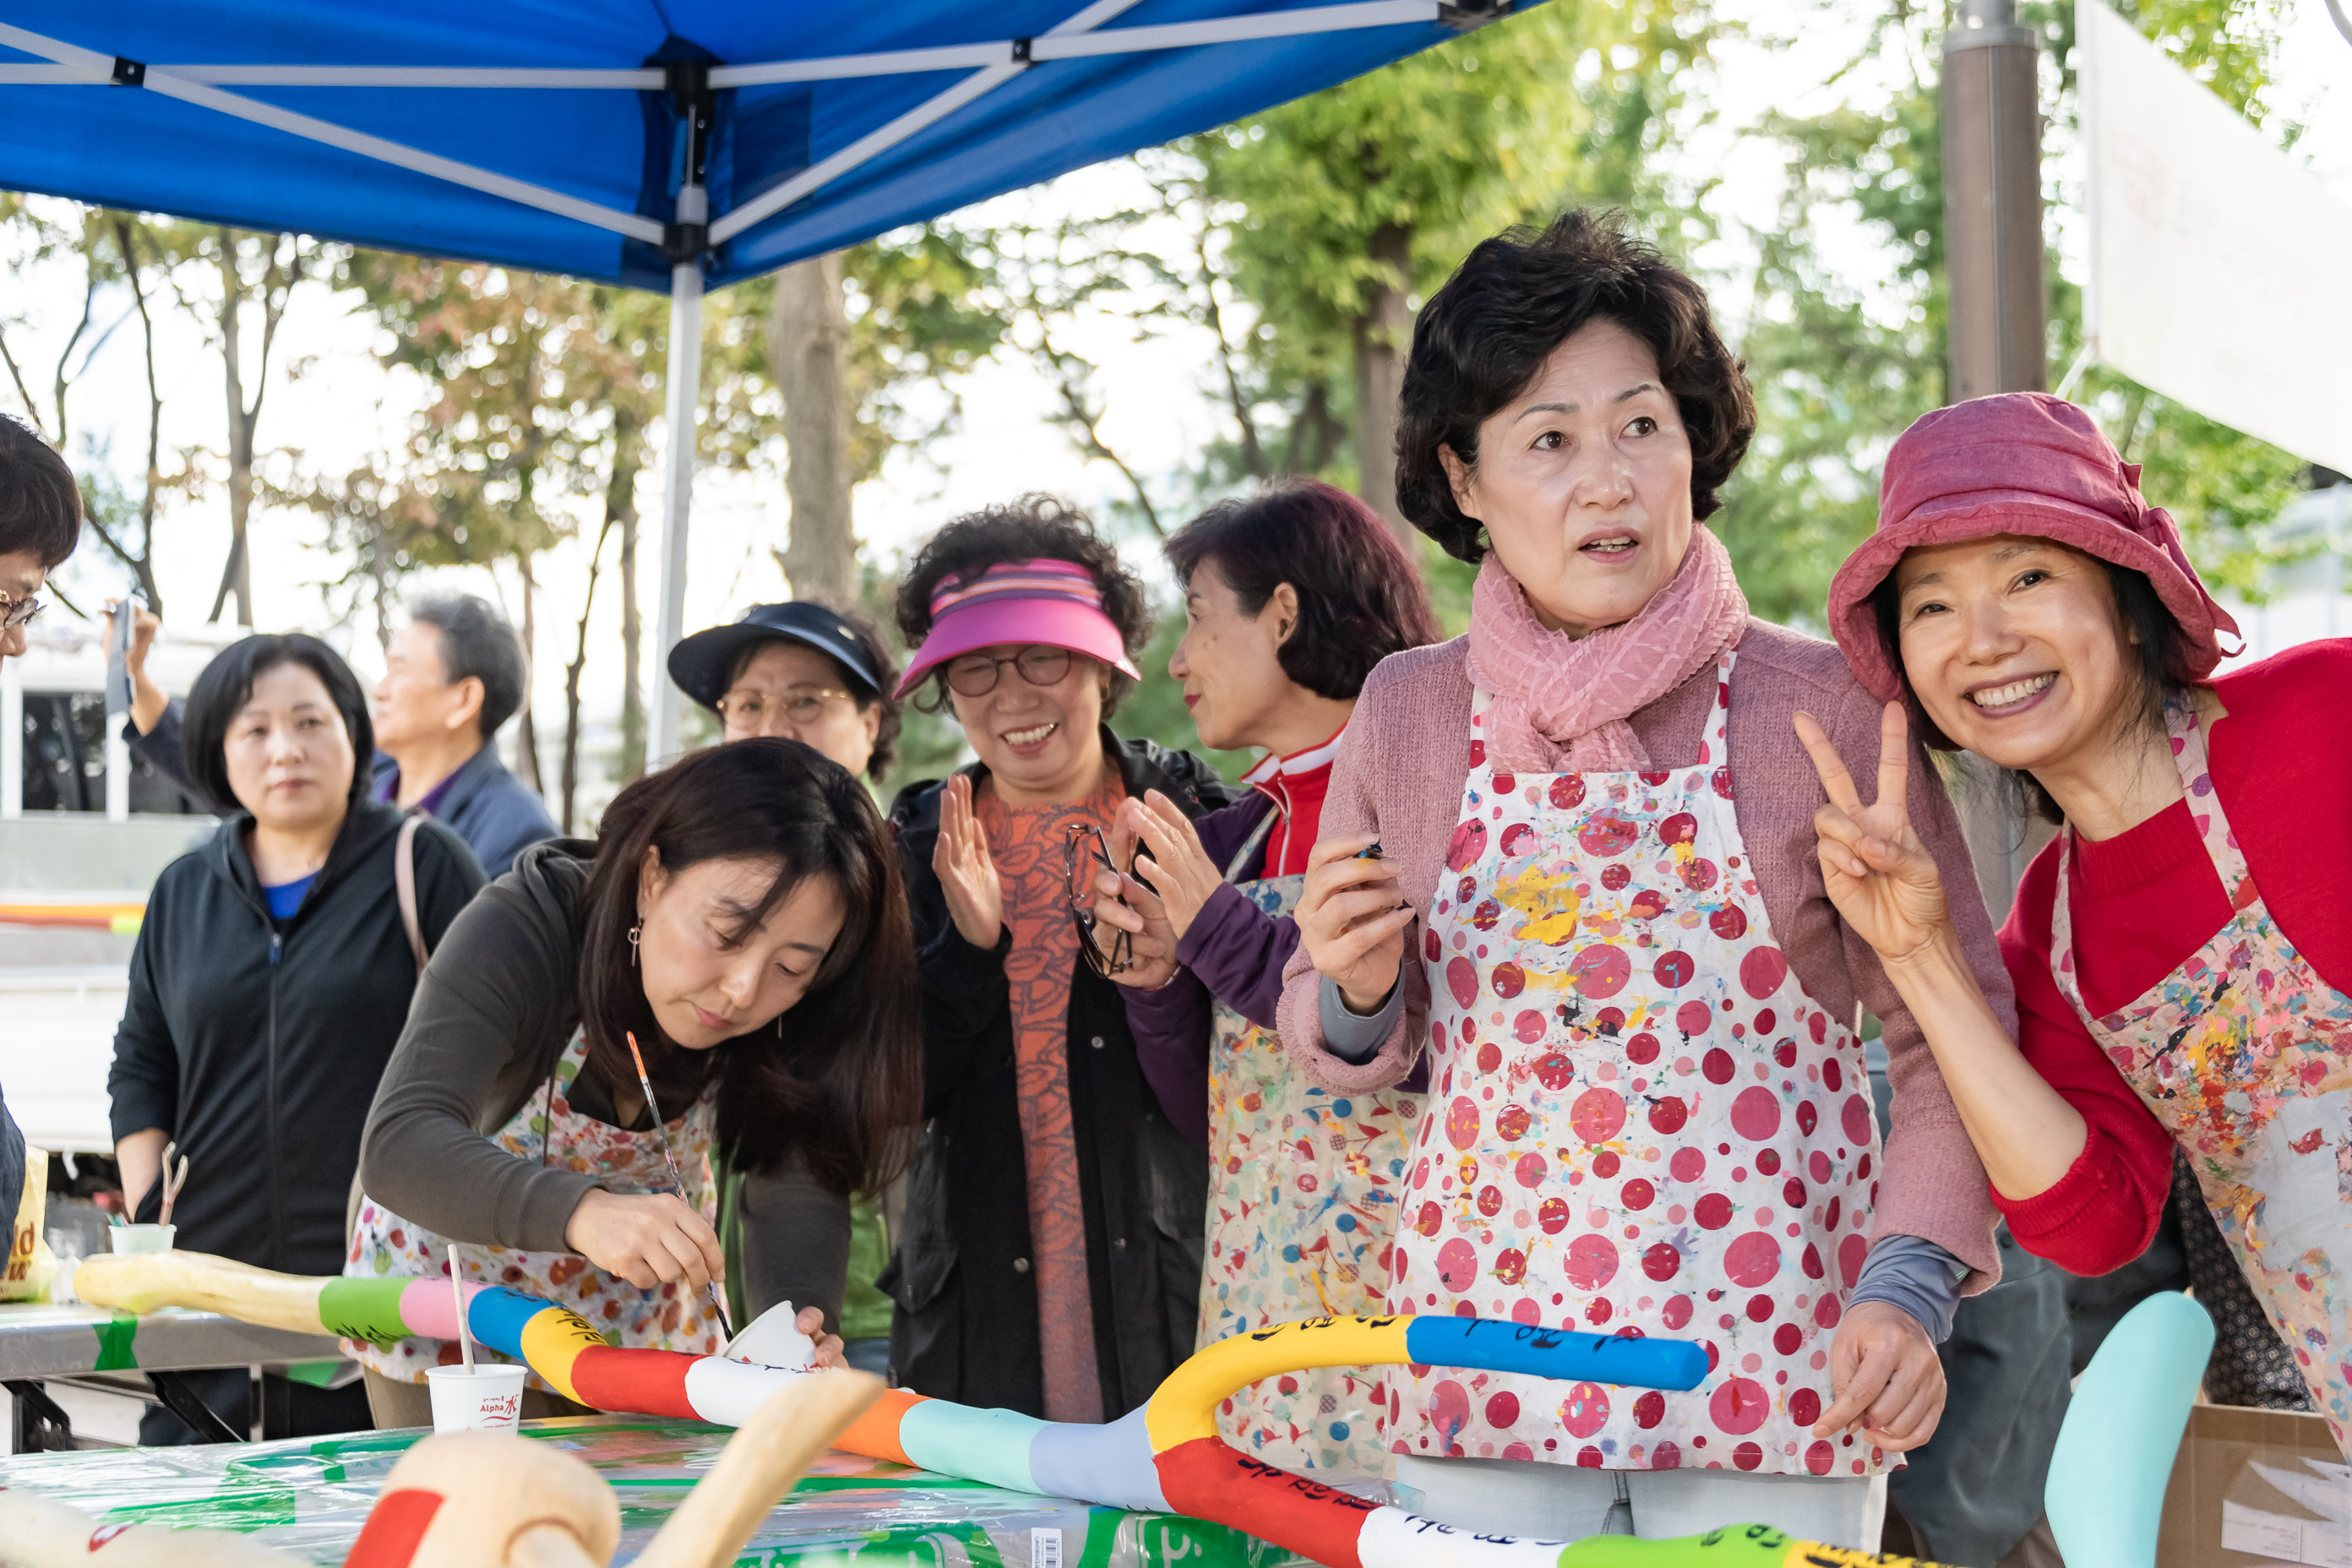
(1052, 1250)
(1649, 1111)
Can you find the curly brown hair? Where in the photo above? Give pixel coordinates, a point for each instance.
(1484, 337)
(1029, 528)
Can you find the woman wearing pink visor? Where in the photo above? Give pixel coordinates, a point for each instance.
(2182, 950)
(1051, 1256)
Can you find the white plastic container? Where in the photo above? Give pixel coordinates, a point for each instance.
(140, 1238)
(487, 1399)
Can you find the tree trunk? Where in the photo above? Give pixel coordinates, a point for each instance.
(1383, 333)
(571, 771)
(526, 733)
(237, 576)
(620, 503)
(808, 355)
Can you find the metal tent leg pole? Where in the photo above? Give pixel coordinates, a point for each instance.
(685, 385)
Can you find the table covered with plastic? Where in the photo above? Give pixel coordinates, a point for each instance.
(308, 1497)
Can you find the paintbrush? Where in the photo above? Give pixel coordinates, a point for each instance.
(457, 1294)
(172, 1182)
(645, 1083)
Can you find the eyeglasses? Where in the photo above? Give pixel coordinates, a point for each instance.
(797, 704)
(15, 613)
(974, 674)
(1084, 849)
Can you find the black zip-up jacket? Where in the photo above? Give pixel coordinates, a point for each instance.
(258, 1047)
(966, 1324)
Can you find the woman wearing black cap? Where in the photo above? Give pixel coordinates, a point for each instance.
(808, 672)
(803, 670)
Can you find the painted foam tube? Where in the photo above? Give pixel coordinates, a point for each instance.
(35, 1532)
(1166, 1456)
(2116, 1452)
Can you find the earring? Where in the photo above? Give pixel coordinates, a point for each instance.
(634, 931)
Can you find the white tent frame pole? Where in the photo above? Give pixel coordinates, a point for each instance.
(100, 68)
(874, 143)
(684, 398)
(996, 63)
(1357, 14)
(865, 150)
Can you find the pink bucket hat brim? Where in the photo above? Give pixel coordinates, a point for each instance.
(1033, 610)
(2019, 463)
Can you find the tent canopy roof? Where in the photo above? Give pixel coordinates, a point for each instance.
(554, 134)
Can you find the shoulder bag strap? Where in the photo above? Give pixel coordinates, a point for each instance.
(403, 881)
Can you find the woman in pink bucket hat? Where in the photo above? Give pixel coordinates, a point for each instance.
(2182, 950)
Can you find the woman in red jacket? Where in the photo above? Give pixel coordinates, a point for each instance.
(2182, 950)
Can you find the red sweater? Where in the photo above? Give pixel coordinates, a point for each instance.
(2146, 900)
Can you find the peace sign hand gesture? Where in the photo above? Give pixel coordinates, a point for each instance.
(1881, 878)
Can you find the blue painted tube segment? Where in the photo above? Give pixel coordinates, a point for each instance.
(1493, 1346)
(1109, 1464)
(497, 1316)
(989, 1446)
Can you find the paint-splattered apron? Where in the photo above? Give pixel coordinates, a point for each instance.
(671, 1317)
(2245, 1055)
(1639, 1122)
(1302, 1203)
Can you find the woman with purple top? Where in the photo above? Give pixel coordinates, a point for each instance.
(1290, 599)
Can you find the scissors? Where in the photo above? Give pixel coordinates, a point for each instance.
(173, 1179)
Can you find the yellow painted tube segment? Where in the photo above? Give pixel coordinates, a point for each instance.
(142, 1281)
(552, 1341)
(1185, 1405)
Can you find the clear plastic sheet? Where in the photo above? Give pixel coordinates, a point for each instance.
(308, 1497)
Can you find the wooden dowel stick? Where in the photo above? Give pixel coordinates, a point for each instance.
(758, 1465)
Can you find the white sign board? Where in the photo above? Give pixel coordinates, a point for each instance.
(2220, 268)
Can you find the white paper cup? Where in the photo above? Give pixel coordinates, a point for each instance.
(487, 1399)
(140, 1238)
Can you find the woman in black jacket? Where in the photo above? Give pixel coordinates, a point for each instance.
(741, 919)
(269, 982)
(1050, 1262)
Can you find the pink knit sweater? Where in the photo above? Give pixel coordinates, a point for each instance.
(1399, 775)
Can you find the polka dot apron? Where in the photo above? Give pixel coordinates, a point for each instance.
(548, 1130)
(1639, 1122)
(2245, 1055)
(1302, 1203)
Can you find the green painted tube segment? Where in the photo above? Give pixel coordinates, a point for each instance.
(1734, 1546)
(367, 1309)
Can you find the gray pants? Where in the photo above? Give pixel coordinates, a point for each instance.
(1568, 1502)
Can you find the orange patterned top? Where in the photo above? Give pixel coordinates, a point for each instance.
(1025, 841)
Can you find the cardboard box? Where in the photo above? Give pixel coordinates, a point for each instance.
(2253, 1487)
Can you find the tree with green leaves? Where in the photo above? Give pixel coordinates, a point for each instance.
(814, 372)
(1349, 207)
(1842, 368)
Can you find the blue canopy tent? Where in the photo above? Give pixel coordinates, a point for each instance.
(669, 144)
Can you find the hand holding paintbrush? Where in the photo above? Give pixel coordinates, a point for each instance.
(661, 1130)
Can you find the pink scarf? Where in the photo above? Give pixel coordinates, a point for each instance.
(1559, 703)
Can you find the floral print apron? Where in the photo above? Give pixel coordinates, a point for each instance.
(1302, 1203)
(671, 1317)
(2245, 1055)
(1639, 1122)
